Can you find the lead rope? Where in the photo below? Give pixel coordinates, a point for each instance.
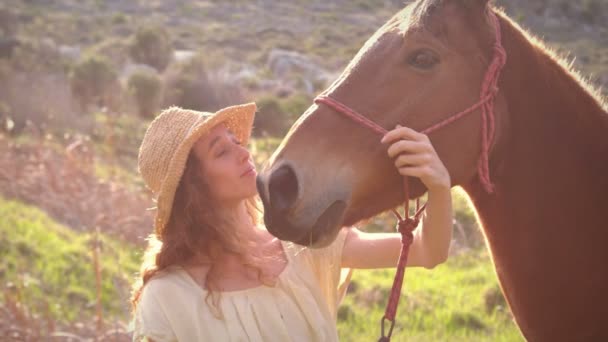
(407, 224)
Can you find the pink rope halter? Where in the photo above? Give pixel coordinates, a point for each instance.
(487, 95)
(406, 225)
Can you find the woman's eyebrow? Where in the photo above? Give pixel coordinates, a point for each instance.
(213, 142)
(217, 138)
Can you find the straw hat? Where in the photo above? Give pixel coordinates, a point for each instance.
(166, 145)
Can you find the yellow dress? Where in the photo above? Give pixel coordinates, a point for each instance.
(301, 307)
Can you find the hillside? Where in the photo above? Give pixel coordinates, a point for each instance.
(48, 276)
(249, 38)
(69, 143)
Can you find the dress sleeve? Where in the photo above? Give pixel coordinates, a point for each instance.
(150, 319)
(332, 278)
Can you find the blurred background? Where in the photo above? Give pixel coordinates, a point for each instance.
(81, 79)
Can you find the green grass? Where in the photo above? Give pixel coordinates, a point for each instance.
(262, 149)
(456, 301)
(49, 264)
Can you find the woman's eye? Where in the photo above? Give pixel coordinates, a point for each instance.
(225, 149)
(423, 59)
(222, 152)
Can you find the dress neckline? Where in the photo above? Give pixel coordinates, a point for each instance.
(280, 276)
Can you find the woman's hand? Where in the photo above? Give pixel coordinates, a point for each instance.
(415, 156)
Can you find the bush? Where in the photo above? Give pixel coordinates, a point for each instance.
(6, 123)
(296, 104)
(119, 19)
(467, 231)
(91, 80)
(116, 50)
(41, 97)
(270, 119)
(275, 116)
(9, 23)
(146, 88)
(592, 10)
(187, 85)
(152, 46)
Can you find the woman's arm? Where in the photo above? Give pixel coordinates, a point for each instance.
(414, 156)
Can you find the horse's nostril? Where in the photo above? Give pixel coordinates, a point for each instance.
(283, 189)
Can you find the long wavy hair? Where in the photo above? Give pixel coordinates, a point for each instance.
(195, 232)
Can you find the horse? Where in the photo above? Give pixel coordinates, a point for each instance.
(542, 200)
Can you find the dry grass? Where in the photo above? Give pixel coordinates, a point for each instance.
(17, 324)
(56, 284)
(63, 183)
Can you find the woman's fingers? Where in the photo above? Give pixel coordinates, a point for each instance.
(414, 156)
(407, 146)
(422, 172)
(413, 160)
(403, 133)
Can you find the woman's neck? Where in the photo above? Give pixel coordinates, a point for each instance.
(236, 218)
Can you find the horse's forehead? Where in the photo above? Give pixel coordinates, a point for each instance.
(449, 23)
(433, 14)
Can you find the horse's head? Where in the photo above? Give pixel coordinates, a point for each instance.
(423, 65)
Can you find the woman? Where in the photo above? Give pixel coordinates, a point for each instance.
(213, 273)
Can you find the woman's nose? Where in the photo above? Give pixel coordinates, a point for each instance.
(244, 154)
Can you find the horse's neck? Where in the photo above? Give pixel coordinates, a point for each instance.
(550, 169)
(549, 211)
(556, 135)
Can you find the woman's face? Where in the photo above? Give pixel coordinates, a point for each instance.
(227, 166)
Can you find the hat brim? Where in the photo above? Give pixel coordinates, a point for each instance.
(238, 119)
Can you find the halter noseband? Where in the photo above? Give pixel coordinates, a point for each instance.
(407, 224)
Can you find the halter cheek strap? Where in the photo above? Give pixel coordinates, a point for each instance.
(407, 224)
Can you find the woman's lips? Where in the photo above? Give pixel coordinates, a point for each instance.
(250, 171)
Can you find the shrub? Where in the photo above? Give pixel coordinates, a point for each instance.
(275, 116)
(187, 85)
(270, 119)
(9, 22)
(295, 105)
(116, 50)
(119, 19)
(145, 87)
(152, 46)
(6, 123)
(592, 10)
(91, 80)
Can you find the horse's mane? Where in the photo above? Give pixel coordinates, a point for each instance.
(425, 9)
(562, 59)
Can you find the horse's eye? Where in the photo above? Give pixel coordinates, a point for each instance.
(423, 59)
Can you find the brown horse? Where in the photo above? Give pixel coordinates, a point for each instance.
(546, 223)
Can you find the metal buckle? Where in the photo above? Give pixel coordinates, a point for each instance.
(390, 330)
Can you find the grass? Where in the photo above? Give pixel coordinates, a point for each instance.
(456, 301)
(262, 148)
(50, 268)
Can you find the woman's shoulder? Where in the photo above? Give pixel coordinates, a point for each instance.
(324, 254)
(158, 306)
(169, 281)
